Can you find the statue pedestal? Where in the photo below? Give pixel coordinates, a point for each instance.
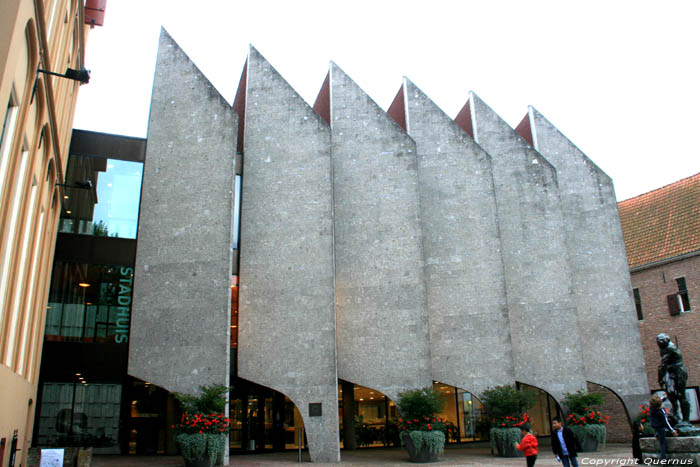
(686, 429)
(686, 448)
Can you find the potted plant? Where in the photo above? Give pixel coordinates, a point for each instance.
(507, 409)
(587, 424)
(422, 433)
(202, 434)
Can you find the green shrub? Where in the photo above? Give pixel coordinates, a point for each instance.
(420, 403)
(506, 401)
(211, 399)
(580, 401)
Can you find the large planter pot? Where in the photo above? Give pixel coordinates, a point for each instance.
(503, 441)
(423, 446)
(590, 437)
(202, 449)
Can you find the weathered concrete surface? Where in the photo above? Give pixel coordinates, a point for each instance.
(182, 297)
(382, 318)
(679, 450)
(470, 344)
(612, 353)
(286, 337)
(542, 310)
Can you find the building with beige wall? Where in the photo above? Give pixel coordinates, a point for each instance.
(37, 113)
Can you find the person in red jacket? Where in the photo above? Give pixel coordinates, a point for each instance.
(528, 445)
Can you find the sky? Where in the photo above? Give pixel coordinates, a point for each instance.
(621, 79)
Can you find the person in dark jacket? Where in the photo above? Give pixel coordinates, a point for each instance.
(565, 446)
(659, 422)
(637, 433)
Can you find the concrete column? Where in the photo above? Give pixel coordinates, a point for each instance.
(602, 287)
(349, 442)
(470, 343)
(286, 338)
(542, 310)
(379, 281)
(182, 298)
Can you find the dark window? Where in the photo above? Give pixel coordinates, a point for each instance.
(683, 299)
(638, 304)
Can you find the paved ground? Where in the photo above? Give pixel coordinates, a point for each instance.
(614, 454)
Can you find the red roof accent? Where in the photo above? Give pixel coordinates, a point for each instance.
(397, 110)
(464, 119)
(663, 223)
(322, 106)
(525, 130)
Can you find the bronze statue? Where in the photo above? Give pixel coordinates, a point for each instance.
(673, 376)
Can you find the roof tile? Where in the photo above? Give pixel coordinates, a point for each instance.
(663, 223)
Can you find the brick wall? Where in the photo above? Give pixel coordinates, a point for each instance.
(618, 429)
(654, 285)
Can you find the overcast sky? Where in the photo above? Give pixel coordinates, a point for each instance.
(620, 78)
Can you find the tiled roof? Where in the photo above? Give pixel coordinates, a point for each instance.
(663, 223)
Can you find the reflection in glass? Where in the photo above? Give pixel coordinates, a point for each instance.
(101, 197)
(89, 303)
(80, 414)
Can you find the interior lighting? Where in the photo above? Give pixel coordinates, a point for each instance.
(83, 284)
(68, 212)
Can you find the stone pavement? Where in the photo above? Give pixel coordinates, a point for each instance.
(614, 454)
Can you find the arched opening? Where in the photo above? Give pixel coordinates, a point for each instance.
(465, 414)
(545, 409)
(618, 429)
(373, 415)
(263, 419)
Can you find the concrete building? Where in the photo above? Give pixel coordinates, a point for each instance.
(380, 250)
(662, 235)
(321, 260)
(35, 37)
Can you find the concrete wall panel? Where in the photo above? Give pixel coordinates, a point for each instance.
(380, 289)
(286, 303)
(182, 299)
(600, 274)
(469, 333)
(542, 309)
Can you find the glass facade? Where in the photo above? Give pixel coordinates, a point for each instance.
(85, 396)
(80, 414)
(102, 197)
(89, 302)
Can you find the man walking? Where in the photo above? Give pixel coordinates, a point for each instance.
(564, 444)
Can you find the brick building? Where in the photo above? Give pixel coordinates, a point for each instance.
(662, 236)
